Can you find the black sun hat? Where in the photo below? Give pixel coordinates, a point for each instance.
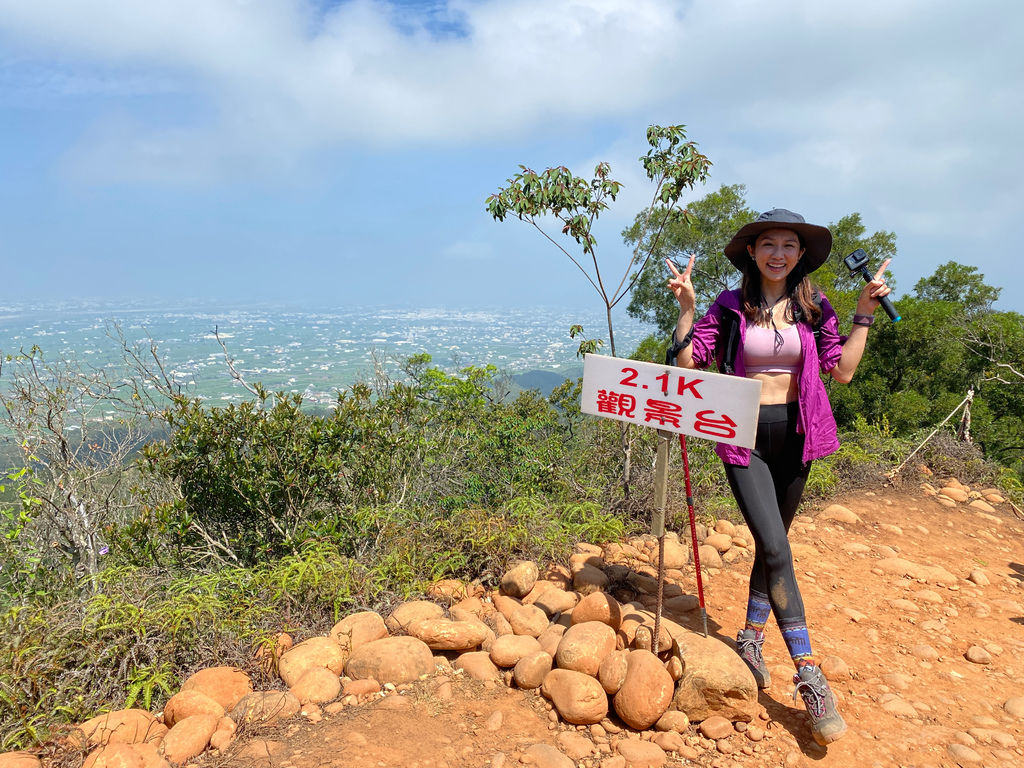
(817, 240)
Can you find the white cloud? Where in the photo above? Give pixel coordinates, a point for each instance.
(906, 110)
(280, 74)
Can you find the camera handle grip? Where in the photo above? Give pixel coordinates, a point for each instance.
(887, 305)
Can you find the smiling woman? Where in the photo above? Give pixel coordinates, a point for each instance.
(788, 334)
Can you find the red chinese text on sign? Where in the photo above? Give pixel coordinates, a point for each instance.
(708, 405)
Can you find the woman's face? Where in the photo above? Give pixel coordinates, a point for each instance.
(776, 252)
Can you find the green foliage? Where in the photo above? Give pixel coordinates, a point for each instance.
(849, 234)
(865, 454)
(708, 226)
(587, 346)
(28, 569)
(672, 164)
(651, 349)
(145, 681)
(250, 476)
(147, 629)
(253, 480)
(959, 284)
(916, 372)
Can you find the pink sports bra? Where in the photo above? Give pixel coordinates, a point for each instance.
(760, 355)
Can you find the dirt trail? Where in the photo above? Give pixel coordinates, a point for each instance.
(911, 698)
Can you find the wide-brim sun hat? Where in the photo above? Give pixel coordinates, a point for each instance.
(817, 240)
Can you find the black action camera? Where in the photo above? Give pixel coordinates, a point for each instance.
(857, 263)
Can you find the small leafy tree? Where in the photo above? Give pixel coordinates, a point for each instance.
(672, 163)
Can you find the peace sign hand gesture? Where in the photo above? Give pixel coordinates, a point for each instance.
(681, 286)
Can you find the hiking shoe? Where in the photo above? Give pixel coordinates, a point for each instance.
(827, 724)
(749, 646)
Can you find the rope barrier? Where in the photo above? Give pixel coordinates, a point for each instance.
(966, 401)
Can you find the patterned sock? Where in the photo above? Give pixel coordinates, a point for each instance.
(758, 611)
(798, 641)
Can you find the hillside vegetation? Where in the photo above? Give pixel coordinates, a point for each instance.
(139, 549)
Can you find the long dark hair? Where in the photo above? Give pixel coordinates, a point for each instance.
(799, 289)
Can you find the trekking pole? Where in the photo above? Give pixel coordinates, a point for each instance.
(693, 533)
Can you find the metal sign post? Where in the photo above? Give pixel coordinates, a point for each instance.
(688, 402)
(658, 524)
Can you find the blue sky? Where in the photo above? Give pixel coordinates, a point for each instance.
(339, 153)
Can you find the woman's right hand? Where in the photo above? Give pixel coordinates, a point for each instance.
(681, 286)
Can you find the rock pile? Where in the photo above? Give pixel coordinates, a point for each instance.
(581, 635)
(954, 493)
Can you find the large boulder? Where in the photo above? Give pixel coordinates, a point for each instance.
(715, 680)
(578, 698)
(584, 646)
(413, 610)
(317, 686)
(449, 590)
(187, 703)
(447, 635)
(556, 600)
(589, 579)
(677, 554)
(477, 665)
(189, 737)
(391, 660)
(19, 760)
(271, 650)
(646, 693)
(551, 637)
(612, 672)
(530, 671)
(113, 755)
(507, 650)
(518, 580)
(506, 605)
(528, 620)
(125, 726)
(539, 588)
(637, 631)
(358, 629)
(598, 606)
(225, 685)
(224, 735)
(315, 652)
(265, 708)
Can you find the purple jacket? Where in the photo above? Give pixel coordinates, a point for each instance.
(816, 421)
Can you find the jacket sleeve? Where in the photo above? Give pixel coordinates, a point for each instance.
(705, 335)
(830, 343)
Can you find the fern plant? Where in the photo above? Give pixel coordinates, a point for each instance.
(145, 681)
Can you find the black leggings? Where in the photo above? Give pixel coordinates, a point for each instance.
(768, 493)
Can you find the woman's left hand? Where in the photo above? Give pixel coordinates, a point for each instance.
(873, 292)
